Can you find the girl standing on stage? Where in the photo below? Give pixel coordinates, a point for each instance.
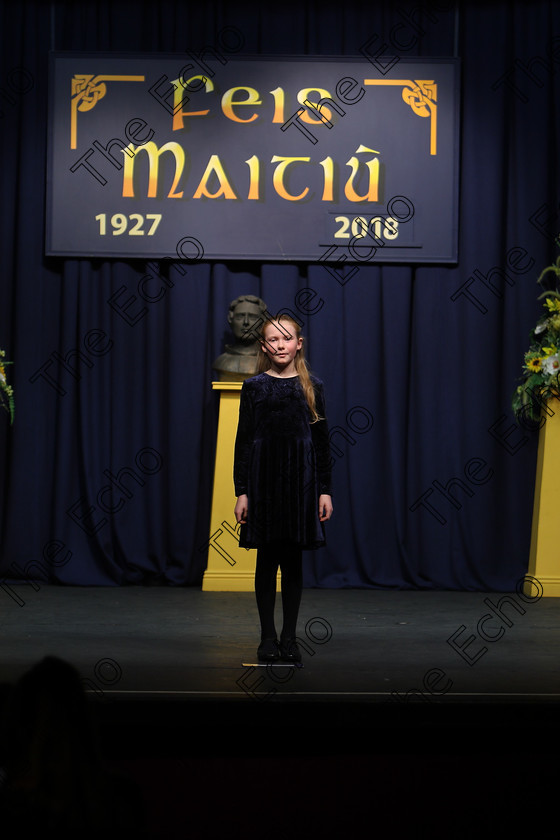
(282, 476)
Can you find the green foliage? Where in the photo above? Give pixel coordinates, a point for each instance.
(541, 364)
(6, 391)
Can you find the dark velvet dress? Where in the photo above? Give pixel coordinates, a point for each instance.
(282, 462)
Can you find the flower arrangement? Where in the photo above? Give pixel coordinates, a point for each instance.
(6, 391)
(541, 366)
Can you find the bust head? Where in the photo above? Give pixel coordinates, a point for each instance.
(246, 315)
(246, 312)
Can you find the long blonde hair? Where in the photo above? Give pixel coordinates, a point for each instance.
(300, 362)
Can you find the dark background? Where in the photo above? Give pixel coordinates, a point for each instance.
(433, 367)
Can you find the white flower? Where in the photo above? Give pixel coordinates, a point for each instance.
(541, 327)
(551, 364)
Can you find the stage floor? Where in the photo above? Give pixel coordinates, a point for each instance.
(386, 725)
(369, 646)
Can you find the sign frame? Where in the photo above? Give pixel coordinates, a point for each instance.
(359, 231)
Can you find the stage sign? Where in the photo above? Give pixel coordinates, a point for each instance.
(221, 157)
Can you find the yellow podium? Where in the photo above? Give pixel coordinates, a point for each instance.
(230, 568)
(544, 559)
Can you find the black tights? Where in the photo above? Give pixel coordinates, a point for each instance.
(269, 557)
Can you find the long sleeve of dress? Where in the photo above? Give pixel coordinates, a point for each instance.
(243, 443)
(320, 437)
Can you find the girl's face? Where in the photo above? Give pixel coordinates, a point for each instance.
(281, 346)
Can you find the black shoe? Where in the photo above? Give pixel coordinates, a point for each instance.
(268, 651)
(289, 650)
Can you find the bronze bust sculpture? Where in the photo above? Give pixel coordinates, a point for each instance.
(239, 360)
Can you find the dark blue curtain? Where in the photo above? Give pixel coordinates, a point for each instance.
(433, 480)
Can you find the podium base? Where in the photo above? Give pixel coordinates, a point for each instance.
(550, 586)
(238, 582)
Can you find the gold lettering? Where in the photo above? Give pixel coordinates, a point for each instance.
(225, 189)
(228, 103)
(254, 165)
(278, 94)
(373, 167)
(278, 177)
(179, 95)
(153, 163)
(326, 112)
(328, 167)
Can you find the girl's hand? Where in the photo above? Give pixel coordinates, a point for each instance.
(241, 509)
(325, 507)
